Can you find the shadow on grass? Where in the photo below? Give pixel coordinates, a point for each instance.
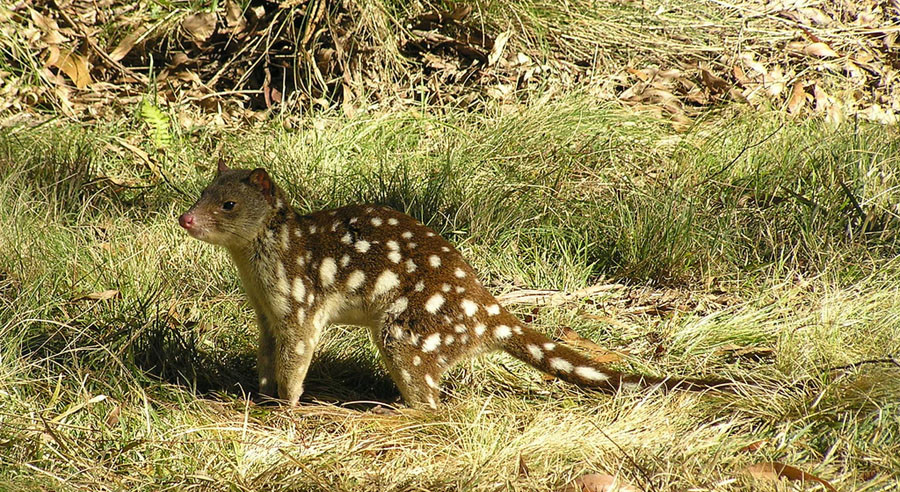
(176, 356)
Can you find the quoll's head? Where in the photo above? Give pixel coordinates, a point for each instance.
(234, 208)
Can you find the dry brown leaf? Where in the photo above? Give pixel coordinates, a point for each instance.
(798, 98)
(75, 67)
(112, 418)
(499, 44)
(523, 470)
(99, 296)
(126, 44)
(48, 27)
(816, 16)
(754, 446)
(599, 482)
(234, 16)
(716, 84)
(775, 471)
(821, 50)
(596, 352)
(200, 26)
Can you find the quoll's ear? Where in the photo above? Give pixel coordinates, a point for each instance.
(260, 178)
(222, 166)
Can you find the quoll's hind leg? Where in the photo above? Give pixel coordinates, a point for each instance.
(417, 374)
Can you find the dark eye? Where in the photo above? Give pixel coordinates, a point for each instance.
(228, 205)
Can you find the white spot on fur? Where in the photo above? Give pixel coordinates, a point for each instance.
(517, 330)
(282, 285)
(431, 342)
(479, 329)
(434, 303)
(300, 348)
(312, 229)
(376, 221)
(430, 381)
(493, 309)
(590, 373)
(411, 245)
(502, 331)
(460, 290)
(469, 307)
(406, 235)
(448, 339)
(345, 260)
(285, 238)
(386, 281)
(417, 361)
(420, 286)
(434, 261)
(535, 351)
(311, 298)
(560, 364)
(347, 238)
(298, 233)
(299, 289)
(549, 346)
(460, 328)
(392, 245)
(429, 234)
(355, 280)
(459, 273)
(353, 220)
(445, 249)
(327, 271)
(445, 287)
(392, 221)
(394, 256)
(301, 315)
(398, 306)
(410, 266)
(405, 375)
(362, 246)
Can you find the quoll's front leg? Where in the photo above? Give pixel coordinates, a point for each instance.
(294, 348)
(265, 361)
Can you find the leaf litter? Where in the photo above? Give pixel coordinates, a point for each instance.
(832, 60)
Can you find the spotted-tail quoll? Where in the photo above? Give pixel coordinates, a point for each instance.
(374, 267)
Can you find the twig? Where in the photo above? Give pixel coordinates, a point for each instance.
(118, 66)
(888, 360)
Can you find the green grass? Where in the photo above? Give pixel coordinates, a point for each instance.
(794, 222)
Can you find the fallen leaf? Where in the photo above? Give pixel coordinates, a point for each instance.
(200, 26)
(75, 67)
(599, 482)
(798, 98)
(714, 83)
(48, 27)
(523, 470)
(754, 446)
(99, 296)
(112, 418)
(499, 44)
(821, 50)
(126, 44)
(775, 471)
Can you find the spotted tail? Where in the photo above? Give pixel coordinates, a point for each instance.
(564, 363)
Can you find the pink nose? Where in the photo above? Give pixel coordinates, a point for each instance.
(186, 220)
